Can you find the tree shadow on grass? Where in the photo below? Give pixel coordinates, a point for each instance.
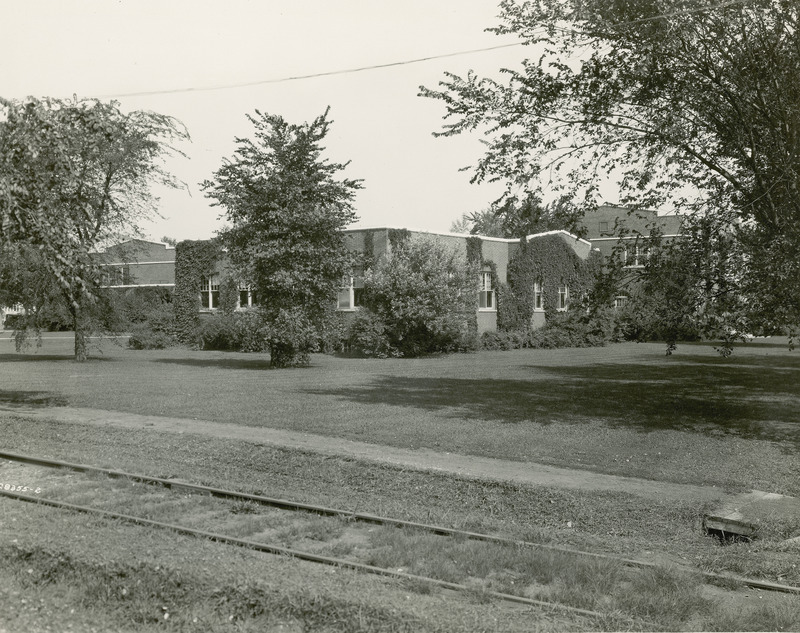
(31, 399)
(36, 358)
(743, 400)
(219, 363)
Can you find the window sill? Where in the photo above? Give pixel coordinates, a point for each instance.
(487, 309)
(356, 309)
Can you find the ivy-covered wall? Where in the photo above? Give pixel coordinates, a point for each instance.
(554, 259)
(193, 261)
(551, 262)
(398, 237)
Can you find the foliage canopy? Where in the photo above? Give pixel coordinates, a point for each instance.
(688, 104)
(519, 218)
(74, 175)
(287, 208)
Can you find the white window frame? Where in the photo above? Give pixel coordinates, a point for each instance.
(209, 287)
(486, 295)
(538, 297)
(563, 298)
(620, 301)
(640, 255)
(242, 288)
(350, 285)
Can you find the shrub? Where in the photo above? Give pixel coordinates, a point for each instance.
(368, 336)
(494, 341)
(157, 331)
(142, 337)
(250, 332)
(574, 328)
(136, 305)
(218, 332)
(422, 298)
(644, 318)
(291, 336)
(334, 333)
(236, 332)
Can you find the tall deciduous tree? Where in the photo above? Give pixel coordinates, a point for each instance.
(75, 174)
(693, 104)
(287, 207)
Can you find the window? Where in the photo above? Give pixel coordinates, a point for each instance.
(246, 296)
(604, 227)
(209, 292)
(351, 292)
(563, 297)
(486, 294)
(537, 297)
(620, 301)
(636, 256)
(119, 275)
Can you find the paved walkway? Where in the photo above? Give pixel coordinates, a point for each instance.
(752, 508)
(424, 459)
(767, 507)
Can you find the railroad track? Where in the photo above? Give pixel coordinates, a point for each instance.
(284, 504)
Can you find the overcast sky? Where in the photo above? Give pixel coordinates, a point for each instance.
(115, 48)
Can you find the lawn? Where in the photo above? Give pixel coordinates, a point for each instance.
(626, 409)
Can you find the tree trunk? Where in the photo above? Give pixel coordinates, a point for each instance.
(80, 334)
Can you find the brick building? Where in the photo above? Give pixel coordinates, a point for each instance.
(610, 226)
(498, 251)
(140, 263)
(137, 263)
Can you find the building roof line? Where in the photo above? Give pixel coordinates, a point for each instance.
(507, 240)
(444, 233)
(556, 232)
(135, 263)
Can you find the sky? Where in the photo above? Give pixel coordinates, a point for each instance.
(182, 58)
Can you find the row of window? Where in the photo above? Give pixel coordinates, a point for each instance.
(349, 296)
(487, 299)
(209, 294)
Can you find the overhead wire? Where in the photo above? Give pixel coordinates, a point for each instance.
(345, 71)
(329, 73)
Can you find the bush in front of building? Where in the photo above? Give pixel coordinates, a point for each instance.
(419, 299)
(135, 306)
(233, 332)
(573, 328)
(156, 330)
(291, 336)
(368, 337)
(644, 318)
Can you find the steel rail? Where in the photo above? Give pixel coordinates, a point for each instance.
(306, 556)
(379, 520)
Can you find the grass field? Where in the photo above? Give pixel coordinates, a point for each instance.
(693, 417)
(626, 409)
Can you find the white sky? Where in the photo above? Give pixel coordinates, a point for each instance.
(111, 48)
